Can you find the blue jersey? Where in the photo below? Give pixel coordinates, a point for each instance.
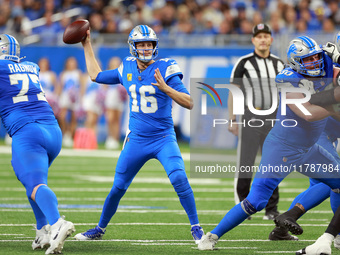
(22, 99)
(332, 129)
(150, 108)
(305, 133)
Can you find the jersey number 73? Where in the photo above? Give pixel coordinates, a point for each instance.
(25, 81)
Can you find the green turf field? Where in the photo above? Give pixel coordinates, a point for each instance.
(150, 219)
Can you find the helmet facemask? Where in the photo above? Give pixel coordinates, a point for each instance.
(143, 33)
(301, 48)
(314, 68)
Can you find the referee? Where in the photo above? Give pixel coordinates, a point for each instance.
(257, 71)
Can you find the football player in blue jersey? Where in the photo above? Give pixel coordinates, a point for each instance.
(289, 148)
(36, 141)
(317, 190)
(152, 86)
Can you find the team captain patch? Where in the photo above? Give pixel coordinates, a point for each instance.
(129, 76)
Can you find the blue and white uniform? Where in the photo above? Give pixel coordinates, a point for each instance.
(151, 132)
(318, 190)
(36, 136)
(22, 106)
(287, 148)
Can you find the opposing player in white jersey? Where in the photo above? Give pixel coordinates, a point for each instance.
(152, 86)
(30, 121)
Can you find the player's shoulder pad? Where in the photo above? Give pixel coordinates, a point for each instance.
(169, 67)
(289, 76)
(36, 67)
(128, 61)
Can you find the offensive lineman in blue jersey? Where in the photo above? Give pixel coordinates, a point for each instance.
(316, 193)
(317, 190)
(292, 146)
(36, 141)
(151, 85)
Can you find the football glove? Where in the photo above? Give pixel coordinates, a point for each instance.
(332, 51)
(308, 85)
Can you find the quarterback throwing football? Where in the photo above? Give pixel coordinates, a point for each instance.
(151, 85)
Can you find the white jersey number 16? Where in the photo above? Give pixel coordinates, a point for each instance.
(144, 100)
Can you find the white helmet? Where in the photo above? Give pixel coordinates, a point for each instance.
(9, 48)
(143, 33)
(303, 47)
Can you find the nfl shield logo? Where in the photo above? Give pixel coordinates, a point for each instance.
(260, 26)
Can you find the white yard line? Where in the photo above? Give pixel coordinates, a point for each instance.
(115, 154)
(227, 199)
(152, 241)
(278, 252)
(205, 212)
(170, 189)
(161, 224)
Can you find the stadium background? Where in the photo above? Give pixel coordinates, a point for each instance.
(205, 37)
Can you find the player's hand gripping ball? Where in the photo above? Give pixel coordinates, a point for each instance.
(76, 31)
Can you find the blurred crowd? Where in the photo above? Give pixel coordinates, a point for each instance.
(170, 17)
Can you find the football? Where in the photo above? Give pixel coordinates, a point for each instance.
(76, 31)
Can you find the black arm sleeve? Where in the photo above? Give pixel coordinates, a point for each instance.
(323, 98)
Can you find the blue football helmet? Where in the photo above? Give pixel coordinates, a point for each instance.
(298, 50)
(9, 48)
(143, 33)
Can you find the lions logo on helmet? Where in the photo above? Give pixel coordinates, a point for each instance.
(9, 48)
(143, 33)
(298, 50)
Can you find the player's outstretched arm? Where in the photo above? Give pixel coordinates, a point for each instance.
(317, 112)
(92, 65)
(327, 97)
(180, 98)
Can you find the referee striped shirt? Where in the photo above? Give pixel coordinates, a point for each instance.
(253, 71)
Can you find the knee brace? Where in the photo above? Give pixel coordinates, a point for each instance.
(247, 207)
(180, 182)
